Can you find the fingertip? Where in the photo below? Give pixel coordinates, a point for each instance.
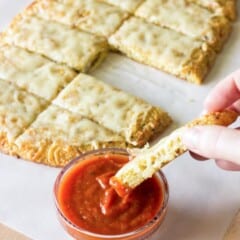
(226, 165)
(210, 105)
(190, 138)
(224, 94)
(197, 156)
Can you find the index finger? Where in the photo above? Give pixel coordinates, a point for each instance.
(224, 94)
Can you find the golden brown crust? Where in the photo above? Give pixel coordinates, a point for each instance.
(227, 8)
(148, 161)
(199, 64)
(146, 126)
(12, 25)
(230, 9)
(58, 135)
(223, 118)
(58, 153)
(7, 146)
(220, 30)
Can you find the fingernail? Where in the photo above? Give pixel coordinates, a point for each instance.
(190, 138)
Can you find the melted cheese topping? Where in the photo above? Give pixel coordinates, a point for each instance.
(17, 109)
(57, 124)
(58, 42)
(189, 18)
(113, 108)
(157, 46)
(92, 16)
(128, 5)
(226, 8)
(33, 72)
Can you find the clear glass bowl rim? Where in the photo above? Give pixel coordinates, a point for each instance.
(96, 235)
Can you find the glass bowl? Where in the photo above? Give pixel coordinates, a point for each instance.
(78, 233)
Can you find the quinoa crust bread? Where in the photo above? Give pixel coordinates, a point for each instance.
(33, 72)
(91, 15)
(226, 8)
(58, 135)
(165, 49)
(17, 111)
(77, 49)
(127, 5)
(147, 161)
(127, 115)
(206, 26)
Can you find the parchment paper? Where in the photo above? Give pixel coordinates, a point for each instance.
(203, 198)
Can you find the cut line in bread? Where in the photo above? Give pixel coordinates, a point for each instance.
(148, 161)
(58, 136)
(91, 16)
(18, 109)
(63, 44)
(33, 72)
(189, 19)
(165, 49)
(131, 117)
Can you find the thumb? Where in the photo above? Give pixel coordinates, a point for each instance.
(214, 142)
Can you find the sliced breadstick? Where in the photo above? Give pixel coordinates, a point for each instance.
(148, 161)
(91, 16)
(18, 109)
(131, 117)
(33, 72)
(189, 19)
(164, 49)
(58, 136)
(58, 42)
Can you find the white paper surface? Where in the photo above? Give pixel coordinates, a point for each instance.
(203, 198)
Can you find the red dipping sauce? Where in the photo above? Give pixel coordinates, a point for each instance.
(89, 208)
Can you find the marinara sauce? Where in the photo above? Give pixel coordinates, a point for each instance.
(86, 199)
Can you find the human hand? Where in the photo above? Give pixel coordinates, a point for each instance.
(215, 142)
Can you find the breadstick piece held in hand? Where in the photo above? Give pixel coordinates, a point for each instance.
(148, 161)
